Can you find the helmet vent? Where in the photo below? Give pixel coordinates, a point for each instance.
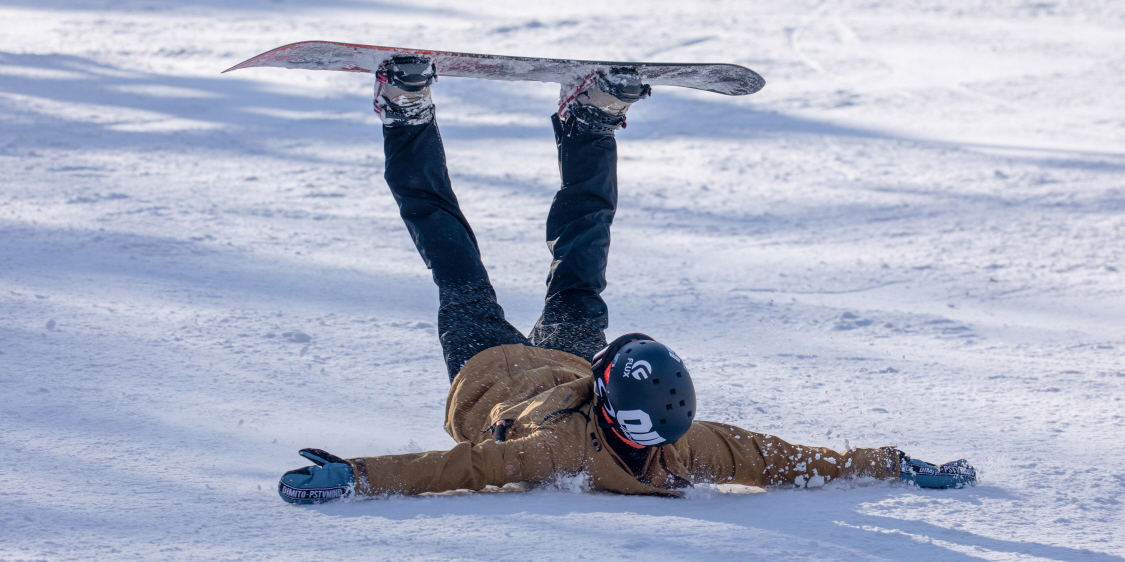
(679, 375)
(661, 422)
(672, 391)
(655, 381)
(681, 403)
(667, 406)
(688, 415)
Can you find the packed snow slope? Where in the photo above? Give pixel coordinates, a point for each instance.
(914, 235)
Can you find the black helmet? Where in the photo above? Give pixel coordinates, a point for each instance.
(644, 391)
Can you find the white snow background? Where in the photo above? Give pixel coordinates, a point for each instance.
(914, 235)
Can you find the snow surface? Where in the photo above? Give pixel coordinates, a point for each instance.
(914, 235)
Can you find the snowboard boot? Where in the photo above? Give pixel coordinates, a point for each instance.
(402, 91)
(599, 103)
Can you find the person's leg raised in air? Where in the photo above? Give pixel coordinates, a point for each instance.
(469, 318)
(574, 315)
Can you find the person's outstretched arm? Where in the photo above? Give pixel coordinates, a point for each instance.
(535, 458)
(725, 454)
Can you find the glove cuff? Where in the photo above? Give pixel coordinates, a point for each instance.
(362, 477)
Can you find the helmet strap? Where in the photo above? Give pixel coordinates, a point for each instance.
(610, 424)
(604, 420)
(627, 442)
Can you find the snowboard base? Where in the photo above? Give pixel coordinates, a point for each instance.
(727, 79)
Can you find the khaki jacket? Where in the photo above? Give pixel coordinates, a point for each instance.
(549, 397)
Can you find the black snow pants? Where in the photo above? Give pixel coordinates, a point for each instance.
(470, 320)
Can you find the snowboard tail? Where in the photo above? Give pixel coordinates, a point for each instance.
(728, 79)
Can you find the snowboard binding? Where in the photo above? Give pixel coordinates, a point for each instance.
(599, 102)
(402, 91)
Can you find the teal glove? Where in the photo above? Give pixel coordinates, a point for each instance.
(956, 474)
(331, 479)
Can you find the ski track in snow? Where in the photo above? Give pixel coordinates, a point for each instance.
(914, 235)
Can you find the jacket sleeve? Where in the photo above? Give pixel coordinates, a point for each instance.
(720, 453)
(534, 458)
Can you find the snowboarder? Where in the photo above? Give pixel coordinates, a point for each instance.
(559, 401)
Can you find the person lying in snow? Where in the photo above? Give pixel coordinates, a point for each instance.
(559, 401)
